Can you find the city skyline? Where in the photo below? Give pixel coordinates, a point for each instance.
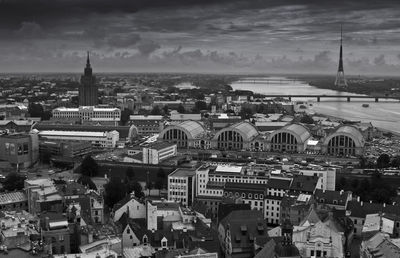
(207, 36)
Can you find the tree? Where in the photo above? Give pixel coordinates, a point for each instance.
(114, 191)
(161, 173)
(181, 109)
(86, 181)
(89, 167)
(395, 162)
(35, 110)
(306, 119)
(45, 156)
(246, 113)
(383, 161)
(14, 182)
(155, 111)
(200, 105)
(166, 110)
(125, 114)
(130, 173)
(136, 188)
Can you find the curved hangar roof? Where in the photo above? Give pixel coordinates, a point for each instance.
(300, 132)
(247, 130)
(192, 128)
(350, 131)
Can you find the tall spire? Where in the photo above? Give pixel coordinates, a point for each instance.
(88, 60)
(341, 51)
(88, 68)
(340, 79)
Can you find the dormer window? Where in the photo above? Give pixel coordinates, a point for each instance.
(250, 195)
(145, 240)
(335, 202)
(256, 196)
(321, 200)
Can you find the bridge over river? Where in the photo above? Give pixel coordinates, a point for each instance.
(319, 97)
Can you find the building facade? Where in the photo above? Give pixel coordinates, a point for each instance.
(20, 150)
(182, 186)
(88, 89)
(97, 139)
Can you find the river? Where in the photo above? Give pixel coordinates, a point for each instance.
(384, 114)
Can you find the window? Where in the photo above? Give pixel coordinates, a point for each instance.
(131, 237)
(250, 195)
(355, 222)
(256, 196)
(261, 196)
(128, 231)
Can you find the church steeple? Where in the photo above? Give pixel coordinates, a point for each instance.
(88, 68)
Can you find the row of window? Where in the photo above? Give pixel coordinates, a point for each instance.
(243, 195)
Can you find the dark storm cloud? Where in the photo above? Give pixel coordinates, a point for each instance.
(252, 35)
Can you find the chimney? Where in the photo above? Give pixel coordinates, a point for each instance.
(370, 201)
(341, 192)
(362, 203)
(384, 205)
(358, 198)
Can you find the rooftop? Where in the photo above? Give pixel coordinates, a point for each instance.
(183, 172)
(12, 197)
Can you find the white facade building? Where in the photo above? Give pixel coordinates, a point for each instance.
(97, 139)
(327, 178)
(182, 186)
(157, 152)
(88, 113)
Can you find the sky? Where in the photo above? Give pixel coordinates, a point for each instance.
(201, 36)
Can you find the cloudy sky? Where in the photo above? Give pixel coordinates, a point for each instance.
(220, 36)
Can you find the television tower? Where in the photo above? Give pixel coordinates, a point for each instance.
(340, 79)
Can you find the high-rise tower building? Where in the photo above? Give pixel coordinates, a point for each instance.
(88, 90)
(340, 79)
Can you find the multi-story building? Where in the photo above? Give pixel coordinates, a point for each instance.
(157, 152)
(20, 150)
(295, 208)
(70, 149)
(88, 89)
(326, 236)
(13, 201)
(146, 125)
(328, 181)
(55, 233)
(357, 211)
(240, 231)
(97, 139)
(210, 181)
(252, 194)
(182, 186)
(380, 245)
(302, 184)
(333, 199)
(88, 113)
(276, 189)
(42, 196)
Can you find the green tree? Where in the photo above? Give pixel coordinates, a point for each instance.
(181, 109)
(155, 111)
(89, 167)
(114, 191)
(246, 113)
(306, 119)
(45, 156)
(133, 186)
(130, 173)
(35, 110)
(383, 161)
(125, 114)
(395, 162)
(14, 182)
(86, 181)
